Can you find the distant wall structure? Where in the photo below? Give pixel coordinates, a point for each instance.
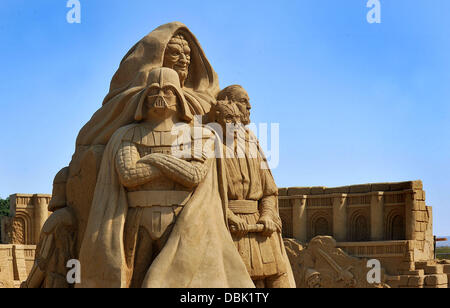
(28, 214)
(16, 262)
(386, 221)
(19, 236)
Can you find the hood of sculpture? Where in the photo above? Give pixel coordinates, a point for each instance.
(148, 54)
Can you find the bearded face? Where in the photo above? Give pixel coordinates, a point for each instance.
(242, 101)
(240, 97)
(178, 56)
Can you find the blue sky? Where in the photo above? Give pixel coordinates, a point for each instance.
(356, 102)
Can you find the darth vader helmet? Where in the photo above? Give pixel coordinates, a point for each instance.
(163, 92)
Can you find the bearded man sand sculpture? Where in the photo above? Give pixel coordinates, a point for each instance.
(252, 194)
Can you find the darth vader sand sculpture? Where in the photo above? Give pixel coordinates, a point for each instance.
(131, 211)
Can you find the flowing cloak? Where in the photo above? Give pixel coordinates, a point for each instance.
(199, 252)
(119, 106)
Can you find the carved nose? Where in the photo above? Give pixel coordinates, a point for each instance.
(183, 59)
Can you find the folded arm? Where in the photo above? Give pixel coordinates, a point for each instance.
(131, 172)
(186, 173)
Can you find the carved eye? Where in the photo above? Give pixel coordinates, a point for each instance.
(176, 52)
(173, 51)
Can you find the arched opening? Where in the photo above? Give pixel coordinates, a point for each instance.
(398, 228)
(321, 227)
(360, 229)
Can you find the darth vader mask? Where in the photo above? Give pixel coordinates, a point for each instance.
(163, 96)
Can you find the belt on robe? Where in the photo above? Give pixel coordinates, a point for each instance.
(243, 206)
(158, 198)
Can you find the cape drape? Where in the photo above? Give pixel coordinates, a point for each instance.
(199, 253)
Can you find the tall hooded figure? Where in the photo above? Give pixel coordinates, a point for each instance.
(172, 46)
(158, 219)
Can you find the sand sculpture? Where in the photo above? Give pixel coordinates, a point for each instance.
(168, 188)
(142, 206)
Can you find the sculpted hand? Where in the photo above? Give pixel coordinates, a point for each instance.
(238, 226)
(269, 226)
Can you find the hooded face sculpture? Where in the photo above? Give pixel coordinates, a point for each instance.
(178, 56)
(171, 45)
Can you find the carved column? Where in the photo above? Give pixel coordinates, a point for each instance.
(40, 216)
(19, 262)
(340, 217)
(299, 223)
(409, 216)
(377, 217)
